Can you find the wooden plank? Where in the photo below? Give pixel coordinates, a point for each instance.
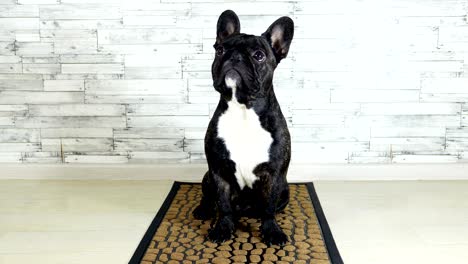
(10, 68)
(77, 110)
(148, 144)
(32, 48)
(150, 132)
(41, 68)
(404, 121)
(167, 109)
(410, 109)
(42, 157)
(95, 58)
(19, 135)
(149, 36)
(34, 97)
(63, 85)
(136, 87)
(134, 99)
(19, 23)
(19, 147)
(99, 159)
(93, 68)
(80, 24)
(406, 132)
(407, 144)
(6, 121)
(374, 96)
(167, 121)
(70, 122)
(21, 85)
(158, 156)
(76, 132)
(81, 11)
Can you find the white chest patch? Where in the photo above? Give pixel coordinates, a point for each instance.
(244, 137)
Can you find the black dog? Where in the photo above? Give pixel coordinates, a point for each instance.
(247, 143)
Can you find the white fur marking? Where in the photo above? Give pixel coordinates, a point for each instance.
(244, 137)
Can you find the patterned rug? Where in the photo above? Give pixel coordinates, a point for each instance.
(175, 236)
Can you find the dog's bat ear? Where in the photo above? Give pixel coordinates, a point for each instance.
(228, 24)
(280, 35)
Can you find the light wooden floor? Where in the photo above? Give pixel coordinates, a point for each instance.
(103, 221)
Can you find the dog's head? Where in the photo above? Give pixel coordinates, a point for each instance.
(244, 64)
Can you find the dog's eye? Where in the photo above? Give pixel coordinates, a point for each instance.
(259, 55)
(219, 51)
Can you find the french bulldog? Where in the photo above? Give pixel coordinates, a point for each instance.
(247, 143)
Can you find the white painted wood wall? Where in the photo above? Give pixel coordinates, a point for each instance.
(109, 81)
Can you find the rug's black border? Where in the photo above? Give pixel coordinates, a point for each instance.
(333, 252)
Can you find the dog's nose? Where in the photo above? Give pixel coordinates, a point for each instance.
(236, 57)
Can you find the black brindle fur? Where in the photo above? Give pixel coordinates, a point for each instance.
(223, 200)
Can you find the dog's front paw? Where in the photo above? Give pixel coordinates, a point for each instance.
(222, 231)
(203, 213)
(273, 235)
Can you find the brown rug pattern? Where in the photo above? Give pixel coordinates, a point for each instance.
(182, 239)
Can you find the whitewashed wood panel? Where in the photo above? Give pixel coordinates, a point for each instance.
(33, 97)
(195, 132)
(81, 24)
(19, 135)
(152, 132)
(167, 109)
(136, 87)
(445, 85)
(167, 121)
(21, 85)
(148, 144)
(458, 144)
(370, 157)
(407, 144)
(42, 157)
(93, 68)
(70, 122)
(135, 99)
(10, 68)
(410, 109)
(19, 23)
(381, 96)
(63, 85)
(10, 157)
(95, 58)
(21, 147)
(80, 11)
(77, 132)
(86, 144)
(34, 48)
(158, 157)
(404, 121)
(148, 36)
(27, 36)
(41, 68)
(406, 132)
(151, 49)
(134, 70)
(424, 158)
(7, 121)
(305, 134)
(95, 159)
(194, 145)
(77, 110)
(153, 73)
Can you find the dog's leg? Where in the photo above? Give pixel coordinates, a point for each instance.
(270, 187)
(225, 224)
(206, 209)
